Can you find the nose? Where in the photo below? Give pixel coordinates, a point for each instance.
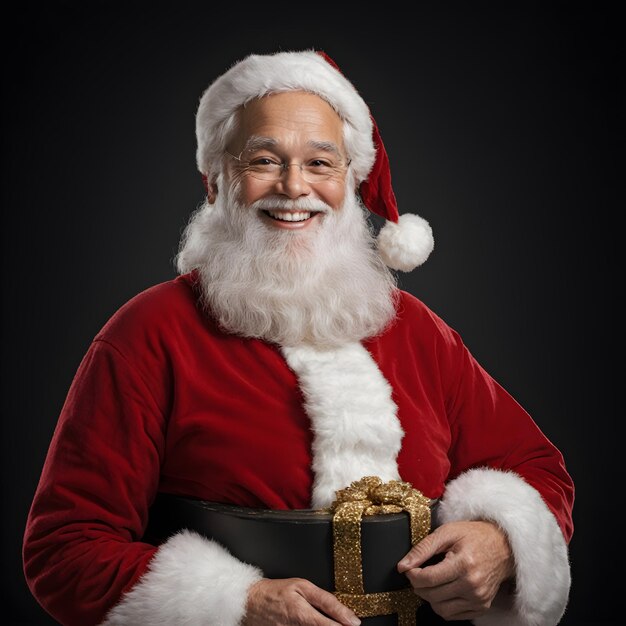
(292, 183)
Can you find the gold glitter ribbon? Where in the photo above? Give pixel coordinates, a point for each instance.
(370, 496)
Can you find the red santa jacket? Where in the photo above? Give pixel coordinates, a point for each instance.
(164, 401)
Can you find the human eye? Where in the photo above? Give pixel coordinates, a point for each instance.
(263, 161)
(320, 163)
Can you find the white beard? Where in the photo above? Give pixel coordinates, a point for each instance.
(325, 285)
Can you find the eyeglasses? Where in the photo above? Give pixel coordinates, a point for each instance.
(313, 171)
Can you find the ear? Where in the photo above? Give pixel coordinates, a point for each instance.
(211, 192)
(211, 189)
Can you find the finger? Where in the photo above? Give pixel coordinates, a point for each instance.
(328, 603)
(440, 593)
(432, 544)
(447, 571)
(455, 609)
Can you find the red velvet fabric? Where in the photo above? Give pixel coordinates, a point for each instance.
(164, 401)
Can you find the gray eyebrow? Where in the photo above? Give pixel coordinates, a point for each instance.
(256, 142)
(326, 146)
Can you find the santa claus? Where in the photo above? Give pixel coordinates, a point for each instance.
(280, 365)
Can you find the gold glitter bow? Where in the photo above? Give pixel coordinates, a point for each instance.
(370, 496)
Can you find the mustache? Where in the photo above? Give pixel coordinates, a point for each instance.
(288, 204)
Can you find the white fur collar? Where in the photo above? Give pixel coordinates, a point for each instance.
(353, 417)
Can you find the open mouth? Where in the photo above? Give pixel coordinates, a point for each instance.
(291, 216)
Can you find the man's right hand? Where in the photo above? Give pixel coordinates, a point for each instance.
(294, 602)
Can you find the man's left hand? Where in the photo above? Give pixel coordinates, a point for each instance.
(478, 559)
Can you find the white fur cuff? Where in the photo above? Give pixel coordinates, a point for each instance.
(539, 548)
(191, 580)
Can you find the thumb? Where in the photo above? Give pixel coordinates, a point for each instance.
(432, 544)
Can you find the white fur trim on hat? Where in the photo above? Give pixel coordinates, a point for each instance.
(191, 580)
(542, 574)
(260, 75)
(407, 244)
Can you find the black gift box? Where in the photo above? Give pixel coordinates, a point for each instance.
(295, 543)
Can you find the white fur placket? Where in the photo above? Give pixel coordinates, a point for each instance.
(356, 430)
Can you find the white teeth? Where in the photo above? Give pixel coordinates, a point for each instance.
(299, 216)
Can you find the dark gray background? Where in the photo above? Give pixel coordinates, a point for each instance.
(503, 129)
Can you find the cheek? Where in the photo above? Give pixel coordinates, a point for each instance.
(334, 194)
(252, 189)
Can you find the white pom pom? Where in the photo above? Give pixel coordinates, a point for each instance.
(407, 244)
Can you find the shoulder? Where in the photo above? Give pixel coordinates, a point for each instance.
(419, 343)
(414, 317)
(156, 311)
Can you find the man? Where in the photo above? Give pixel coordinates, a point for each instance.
(281, 365)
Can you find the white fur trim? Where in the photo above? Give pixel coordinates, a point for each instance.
(407, 244)
(191, 580)
(542, 573)
(356, 430)
(260, 75)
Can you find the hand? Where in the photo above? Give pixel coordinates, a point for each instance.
(477, 560)
(294, 601)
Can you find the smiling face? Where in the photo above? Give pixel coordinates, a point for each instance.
(282, 258)
(291, 128)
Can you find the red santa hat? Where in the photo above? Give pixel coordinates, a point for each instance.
(405, 241)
